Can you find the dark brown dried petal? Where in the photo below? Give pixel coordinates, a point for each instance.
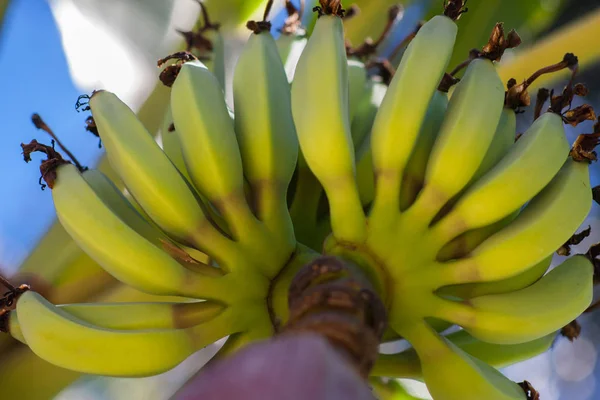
(571, 331)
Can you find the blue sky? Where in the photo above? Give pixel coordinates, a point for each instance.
(35, 79)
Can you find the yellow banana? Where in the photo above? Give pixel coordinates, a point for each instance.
(544, 225)
(541, 152)
(470, 123)
(535, 311)
(134, 316)
(403, 109)
(323, 125)
(265, 130)
(118, 248)
(414, 173)
(206, 134)
(69, 342)
(517, 282)
(150, 176)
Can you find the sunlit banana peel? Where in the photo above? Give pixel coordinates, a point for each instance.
(448, 219)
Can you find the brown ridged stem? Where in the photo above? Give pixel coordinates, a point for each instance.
(40, 124)
(331, 298)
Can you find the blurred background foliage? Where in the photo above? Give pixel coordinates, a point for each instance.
(101, 38)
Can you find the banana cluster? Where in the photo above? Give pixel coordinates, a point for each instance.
(453, 222)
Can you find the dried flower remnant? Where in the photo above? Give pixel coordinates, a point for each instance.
(565, 249)
(531, 393)
(39, 123)
(261, 26)
(330, 7)
(48, 166)
(571, 331)
(453, 9)
(498, 43)
(169, 74)
(542, 97)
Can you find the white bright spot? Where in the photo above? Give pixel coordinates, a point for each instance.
(574, 361)
(97, 59)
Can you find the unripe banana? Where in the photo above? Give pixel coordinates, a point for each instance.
(134, 316)
(541, 152)
(265, 130)
(118, 248)
(465, 243)
(517, 282)
(452, 374)
(407, 364)
(404, 107)
(106, 190)
(67, 341)
(414, 173)
(537, 310)
(149, 175)
(170, 144)
(504, 139)
(320, 110)
(207, 137)
(544, 225)
(357, 82)
(464, 138)
(364, 116)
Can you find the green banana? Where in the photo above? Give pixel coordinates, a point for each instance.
(403, 109)
(517, 282)
(265, 130)
(364, 116)
(322, 123)
(134, 316)
(150, 176)
(414, 173)
(535, 311)
(59, 337)
(407, 365)
(474, 107)
(544, 225)
(504, 139)
(452, 374)
(357, 82)
(118, 248)
(170, 144)
(541, 152)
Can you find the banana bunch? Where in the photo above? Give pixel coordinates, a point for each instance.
(426, 192)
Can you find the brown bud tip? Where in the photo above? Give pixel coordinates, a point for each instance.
(571, 331)
(330, 7)
(258, 27)
(447, 82)
(513, 39)
(497, 43)
(571, 60)
(90, 126)
(511, 82)
(530, 392)
(453, 9)
(394, 11)
(352, 12)
(169, 74)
